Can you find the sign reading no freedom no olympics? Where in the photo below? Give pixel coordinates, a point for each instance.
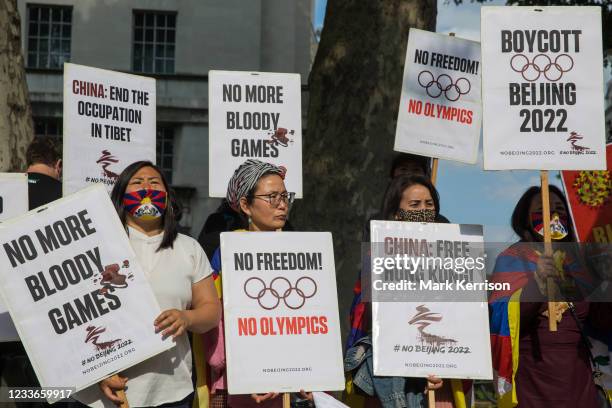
(109, 123)
(254, 115)
(80, 301)
(445, 332)
(542, 88)
(281, 312)
(440, 110)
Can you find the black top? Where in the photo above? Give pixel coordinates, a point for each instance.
(42, 189)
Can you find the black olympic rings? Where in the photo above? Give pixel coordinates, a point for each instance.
(269, 297)
(444, 85)
(541, 64)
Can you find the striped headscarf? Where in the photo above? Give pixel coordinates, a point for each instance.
(246, 177)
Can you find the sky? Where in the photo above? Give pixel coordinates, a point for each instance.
(468, 194)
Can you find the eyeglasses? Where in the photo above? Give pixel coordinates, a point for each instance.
(274, 199)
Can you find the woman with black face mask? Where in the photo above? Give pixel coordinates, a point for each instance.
(535, 367)
(410, 198)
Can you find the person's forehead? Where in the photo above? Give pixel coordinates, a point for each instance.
(271, 182)
(416, 190)
(146, 172)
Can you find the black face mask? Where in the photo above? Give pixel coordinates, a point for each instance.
(424, 215)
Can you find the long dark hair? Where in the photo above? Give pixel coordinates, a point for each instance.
(521, 224)
(393, 195)
(169, 219)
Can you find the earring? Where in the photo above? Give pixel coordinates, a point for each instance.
(250, 220)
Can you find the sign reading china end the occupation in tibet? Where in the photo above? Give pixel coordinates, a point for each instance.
(109, 123)
(82, 305)
(426, 278)
(254, 115)
(282, 331)
(440, 107)
(542, 88)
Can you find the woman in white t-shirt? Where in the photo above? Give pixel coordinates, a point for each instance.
(180, 276)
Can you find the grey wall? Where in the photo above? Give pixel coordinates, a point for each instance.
(255, 35)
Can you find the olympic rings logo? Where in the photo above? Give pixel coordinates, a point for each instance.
(280, 288)
(444, 85)
(541, 64)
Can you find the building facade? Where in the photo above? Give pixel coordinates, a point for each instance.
(176, 42)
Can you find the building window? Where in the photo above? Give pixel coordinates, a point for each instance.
(154, 35)
(48, 36)
(48, 127)
(165, 150)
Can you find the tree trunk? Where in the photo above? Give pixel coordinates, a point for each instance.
(16, 127)
(354, 90)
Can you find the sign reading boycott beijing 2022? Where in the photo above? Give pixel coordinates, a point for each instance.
(440, 109)
(109, 123)
(254, 115)
(80, 301)
(282, 331)
(429, 308)
(542, 85)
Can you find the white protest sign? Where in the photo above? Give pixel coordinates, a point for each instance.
(282, 332)
(80, 301)
(109, 123)
(13, 202)
(13, 195)
(254, 115)
(440, 107)
(429, 308)
(542, 88)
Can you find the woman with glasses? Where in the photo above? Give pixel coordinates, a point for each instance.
(256, 191)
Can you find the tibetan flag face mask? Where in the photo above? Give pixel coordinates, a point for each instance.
(558, 225)
(145, 204)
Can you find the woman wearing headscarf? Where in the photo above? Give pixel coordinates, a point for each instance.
(256, 191)
(411, 198)
(533, 366)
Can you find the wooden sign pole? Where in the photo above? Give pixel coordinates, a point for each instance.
(550, 283)
(434, 171)
(286, 400)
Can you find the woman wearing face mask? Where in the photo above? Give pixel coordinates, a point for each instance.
(535, 367)
(256, 191)
(412, 199)
(180, 276)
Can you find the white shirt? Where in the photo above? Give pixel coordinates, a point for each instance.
(171, 273)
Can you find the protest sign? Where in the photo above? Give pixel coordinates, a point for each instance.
(82, 305)
(13, 202)
(13, 195)
(254, 115)
(109, 123)
(542, 82)
(589, 195)
(440, 108)
(429, 309)
(282, 331)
